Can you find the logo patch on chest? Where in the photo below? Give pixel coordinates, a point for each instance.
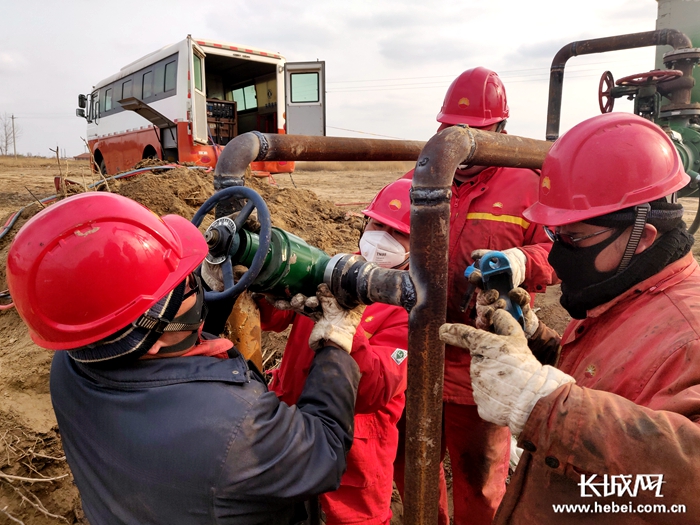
(399, 355)
(590, 371)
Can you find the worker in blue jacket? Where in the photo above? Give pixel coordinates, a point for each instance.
(162, 424)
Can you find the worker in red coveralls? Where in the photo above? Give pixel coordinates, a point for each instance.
(486, 214)
(380, 349)
(616, 424)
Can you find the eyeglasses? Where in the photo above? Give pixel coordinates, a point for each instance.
(565, 238)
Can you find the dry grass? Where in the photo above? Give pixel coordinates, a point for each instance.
(389, 166)
(7, 162)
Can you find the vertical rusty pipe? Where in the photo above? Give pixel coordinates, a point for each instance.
(430, 219)
(429, 242)
(661, 37)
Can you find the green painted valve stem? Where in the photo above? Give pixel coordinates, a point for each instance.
(291, 265)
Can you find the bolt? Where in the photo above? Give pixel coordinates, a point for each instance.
(212, 237)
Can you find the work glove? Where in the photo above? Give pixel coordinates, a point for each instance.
(516, 259)
(522, 298)
(507, 380)
(301, 304)
(252, 224)
(487, 301)
(337, 325)
(213, 276)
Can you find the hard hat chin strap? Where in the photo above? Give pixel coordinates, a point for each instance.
(640, 219)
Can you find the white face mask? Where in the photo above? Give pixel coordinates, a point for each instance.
(381, 248)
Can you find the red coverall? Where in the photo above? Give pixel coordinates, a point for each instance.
(379, 348)
(634, 410)
(486, 212)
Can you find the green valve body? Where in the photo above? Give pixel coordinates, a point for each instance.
(291, 266)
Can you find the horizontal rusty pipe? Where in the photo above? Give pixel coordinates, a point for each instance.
(256, 146)
(661, 37)
(430, 219)
(498, 149)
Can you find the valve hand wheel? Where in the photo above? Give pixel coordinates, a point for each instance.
(605, 101)
(255, 202)
(656, 76)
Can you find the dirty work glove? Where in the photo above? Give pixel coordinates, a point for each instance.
(487, 301)
(252, 224)
(522, 298)
(301, 304)
(516, 258)
(506, 378)
(212, 275)
(338, 325)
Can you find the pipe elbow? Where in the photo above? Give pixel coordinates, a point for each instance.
(236, 157)
(675, 38)
(442, 155)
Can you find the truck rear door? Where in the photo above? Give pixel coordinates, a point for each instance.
(198, 89)
(305, 98)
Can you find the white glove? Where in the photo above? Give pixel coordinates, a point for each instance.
(506, 378)
(338, 325)
(516, 259)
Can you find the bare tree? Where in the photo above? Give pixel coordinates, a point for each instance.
(8, 133)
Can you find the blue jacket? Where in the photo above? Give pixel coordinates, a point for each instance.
(200, 440)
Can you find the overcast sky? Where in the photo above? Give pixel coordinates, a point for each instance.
(388, 62)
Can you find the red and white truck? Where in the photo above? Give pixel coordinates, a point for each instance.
(186, 101)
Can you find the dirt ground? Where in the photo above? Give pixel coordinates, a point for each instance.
(320, 202)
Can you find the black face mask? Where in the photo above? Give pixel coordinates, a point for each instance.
(576, 266)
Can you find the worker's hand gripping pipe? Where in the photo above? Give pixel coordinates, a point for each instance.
(282, 264)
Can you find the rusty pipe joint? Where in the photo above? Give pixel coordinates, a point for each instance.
(353, 281)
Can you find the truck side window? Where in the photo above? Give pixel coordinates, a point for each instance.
(126, 89)
(159, 84)
(170, 75)
(147, 85)
(108, 99)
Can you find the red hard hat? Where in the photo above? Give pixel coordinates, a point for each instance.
(89, 265)
(605, 164)
(392, 205)
(477, 98)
